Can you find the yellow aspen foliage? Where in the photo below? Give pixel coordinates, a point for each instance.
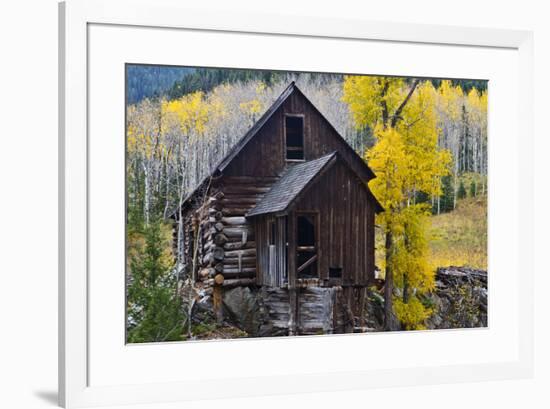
(143, 130)
(477, 104)
(450, 99)
(252, 107)
(191, 113)
(412, 314)
(366, 97)
(406, 159)
(410, 260)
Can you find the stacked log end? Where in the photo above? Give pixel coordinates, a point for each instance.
(226, 251)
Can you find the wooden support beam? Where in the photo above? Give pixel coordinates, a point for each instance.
(235, 270)
(307, 263)
(292, 291)
(242, 253)
(243, 282)
(231, 275)
(234, 220)
(238, 245)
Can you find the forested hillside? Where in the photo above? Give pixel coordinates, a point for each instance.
(147, 81)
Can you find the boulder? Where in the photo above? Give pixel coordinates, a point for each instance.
(459, 299)
(243, 308)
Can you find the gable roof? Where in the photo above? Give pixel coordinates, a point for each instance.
(239, 146)
(291, 184)
(296, 180)
(292, 87)
(234, 151)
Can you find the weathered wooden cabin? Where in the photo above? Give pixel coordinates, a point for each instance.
(287, 213)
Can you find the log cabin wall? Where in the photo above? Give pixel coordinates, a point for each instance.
(236, 234)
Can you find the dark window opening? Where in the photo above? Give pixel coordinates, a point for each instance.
(272, 233)
(306, 251)
(306, 231)
(335, 272)
(294, 130)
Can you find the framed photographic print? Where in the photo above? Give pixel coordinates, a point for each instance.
(287, 201)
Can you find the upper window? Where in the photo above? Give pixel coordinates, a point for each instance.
(294, 131)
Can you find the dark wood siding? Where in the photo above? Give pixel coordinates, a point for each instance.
(264, 155)
(346, 224)
(271, 259)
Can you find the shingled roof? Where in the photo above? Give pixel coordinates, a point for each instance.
(291, 184)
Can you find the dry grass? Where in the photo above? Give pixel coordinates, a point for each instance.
(459, 238)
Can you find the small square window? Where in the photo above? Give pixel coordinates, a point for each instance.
(335, 272)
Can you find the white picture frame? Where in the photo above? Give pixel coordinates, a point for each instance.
(75, 19)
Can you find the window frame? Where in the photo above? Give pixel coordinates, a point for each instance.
(316, 224)
(303, 117)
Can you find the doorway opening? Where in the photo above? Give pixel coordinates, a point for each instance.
(306, 250)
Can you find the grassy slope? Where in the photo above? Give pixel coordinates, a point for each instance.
(459, 238)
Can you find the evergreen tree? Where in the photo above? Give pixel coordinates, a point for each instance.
(461, 194)
(154, 308)
(473, 189)
(446, 200)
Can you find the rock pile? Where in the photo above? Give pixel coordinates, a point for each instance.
(460, 299)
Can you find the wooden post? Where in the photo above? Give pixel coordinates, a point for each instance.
(348, 309)
(292, 294)
(217, 302)
(362, 302)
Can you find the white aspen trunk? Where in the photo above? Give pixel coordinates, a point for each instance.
(147, 198)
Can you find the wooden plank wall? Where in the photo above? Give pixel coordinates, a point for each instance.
(264, 155)
(273, 275)
(346, 224)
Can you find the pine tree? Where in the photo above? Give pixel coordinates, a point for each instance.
(154, 307)
(461, 193)
(473, 189)
(446, 201)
